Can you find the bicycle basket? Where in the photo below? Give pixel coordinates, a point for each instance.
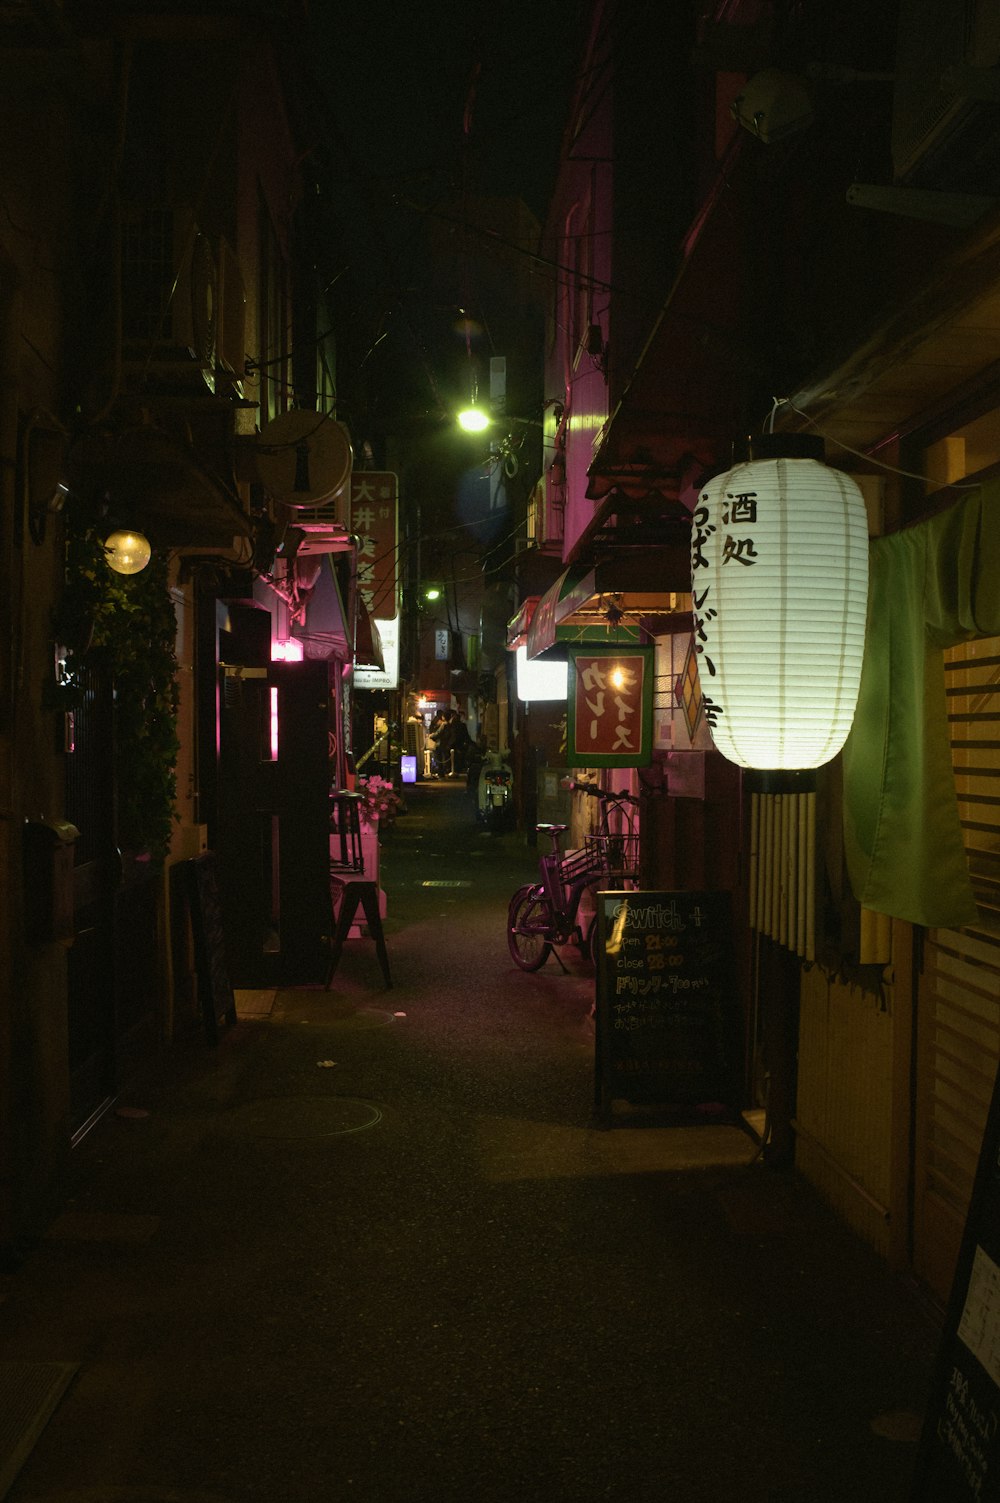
(575, 866)
(615, 855)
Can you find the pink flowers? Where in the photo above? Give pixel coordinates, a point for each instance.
(379, 799)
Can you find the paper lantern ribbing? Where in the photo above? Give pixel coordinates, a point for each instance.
(779, 575)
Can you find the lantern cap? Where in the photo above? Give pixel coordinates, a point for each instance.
(778, 446)
(780, 779)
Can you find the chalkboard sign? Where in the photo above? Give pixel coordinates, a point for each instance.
(214, 990)
(959, 1455)
(668, 1027)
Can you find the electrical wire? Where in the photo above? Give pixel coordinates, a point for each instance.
(956, 485)
(413, 542)
(493, 238)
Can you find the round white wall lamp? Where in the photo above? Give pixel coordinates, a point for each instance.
(127, 552)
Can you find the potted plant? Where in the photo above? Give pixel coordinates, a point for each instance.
(379, 801)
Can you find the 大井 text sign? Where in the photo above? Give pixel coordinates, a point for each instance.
(374, 518)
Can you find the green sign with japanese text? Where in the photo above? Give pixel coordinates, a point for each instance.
(610, 705)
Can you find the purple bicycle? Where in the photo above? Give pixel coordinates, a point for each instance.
(546, 914)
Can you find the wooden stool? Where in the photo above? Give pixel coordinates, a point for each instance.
(365, 893)
(345, 832)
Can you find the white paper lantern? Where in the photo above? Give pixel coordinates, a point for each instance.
(779, 575)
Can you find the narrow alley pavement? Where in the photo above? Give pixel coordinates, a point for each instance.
(369, 1248)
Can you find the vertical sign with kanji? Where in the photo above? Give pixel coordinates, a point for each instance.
(610, 720)
(374, 518)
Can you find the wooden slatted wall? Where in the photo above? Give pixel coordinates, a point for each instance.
(959, 1004)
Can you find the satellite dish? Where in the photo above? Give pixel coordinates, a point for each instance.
(304, 458)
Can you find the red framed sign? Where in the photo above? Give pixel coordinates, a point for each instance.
(373, 516)
(610, 711)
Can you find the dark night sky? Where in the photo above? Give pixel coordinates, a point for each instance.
(402, 76)
(428, 103)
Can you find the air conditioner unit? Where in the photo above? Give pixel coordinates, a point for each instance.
(169, 296)
(230, 347)
(934, 121)
(322, 532)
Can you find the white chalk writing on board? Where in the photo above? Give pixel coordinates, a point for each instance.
(967, 1431)
(979, 1327)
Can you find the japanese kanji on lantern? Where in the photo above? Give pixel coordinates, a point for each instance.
(610, 711)
(779, 578)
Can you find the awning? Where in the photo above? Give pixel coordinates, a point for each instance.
(573, 588)
(637, 545)
(939, 340)
(699, 379)
(324, 631)
(517, 626)
(682, 405)
(577, 609)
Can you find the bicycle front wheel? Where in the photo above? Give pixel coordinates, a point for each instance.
(529, 922)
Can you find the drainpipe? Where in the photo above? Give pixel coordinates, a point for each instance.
(11, 633)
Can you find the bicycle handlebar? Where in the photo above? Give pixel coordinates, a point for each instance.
(595, 792)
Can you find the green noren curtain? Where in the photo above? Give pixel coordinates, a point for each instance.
(931, 586)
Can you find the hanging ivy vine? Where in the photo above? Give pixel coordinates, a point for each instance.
(128, 621)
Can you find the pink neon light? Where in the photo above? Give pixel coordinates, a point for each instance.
(274, 724)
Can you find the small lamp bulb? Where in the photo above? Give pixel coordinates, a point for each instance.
(127, 552)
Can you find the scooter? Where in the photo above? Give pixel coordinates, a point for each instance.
(495, 804)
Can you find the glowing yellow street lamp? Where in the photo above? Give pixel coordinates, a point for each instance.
(473, 419)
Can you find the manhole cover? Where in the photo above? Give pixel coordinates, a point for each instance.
(304, 1117)
(898, 1424)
